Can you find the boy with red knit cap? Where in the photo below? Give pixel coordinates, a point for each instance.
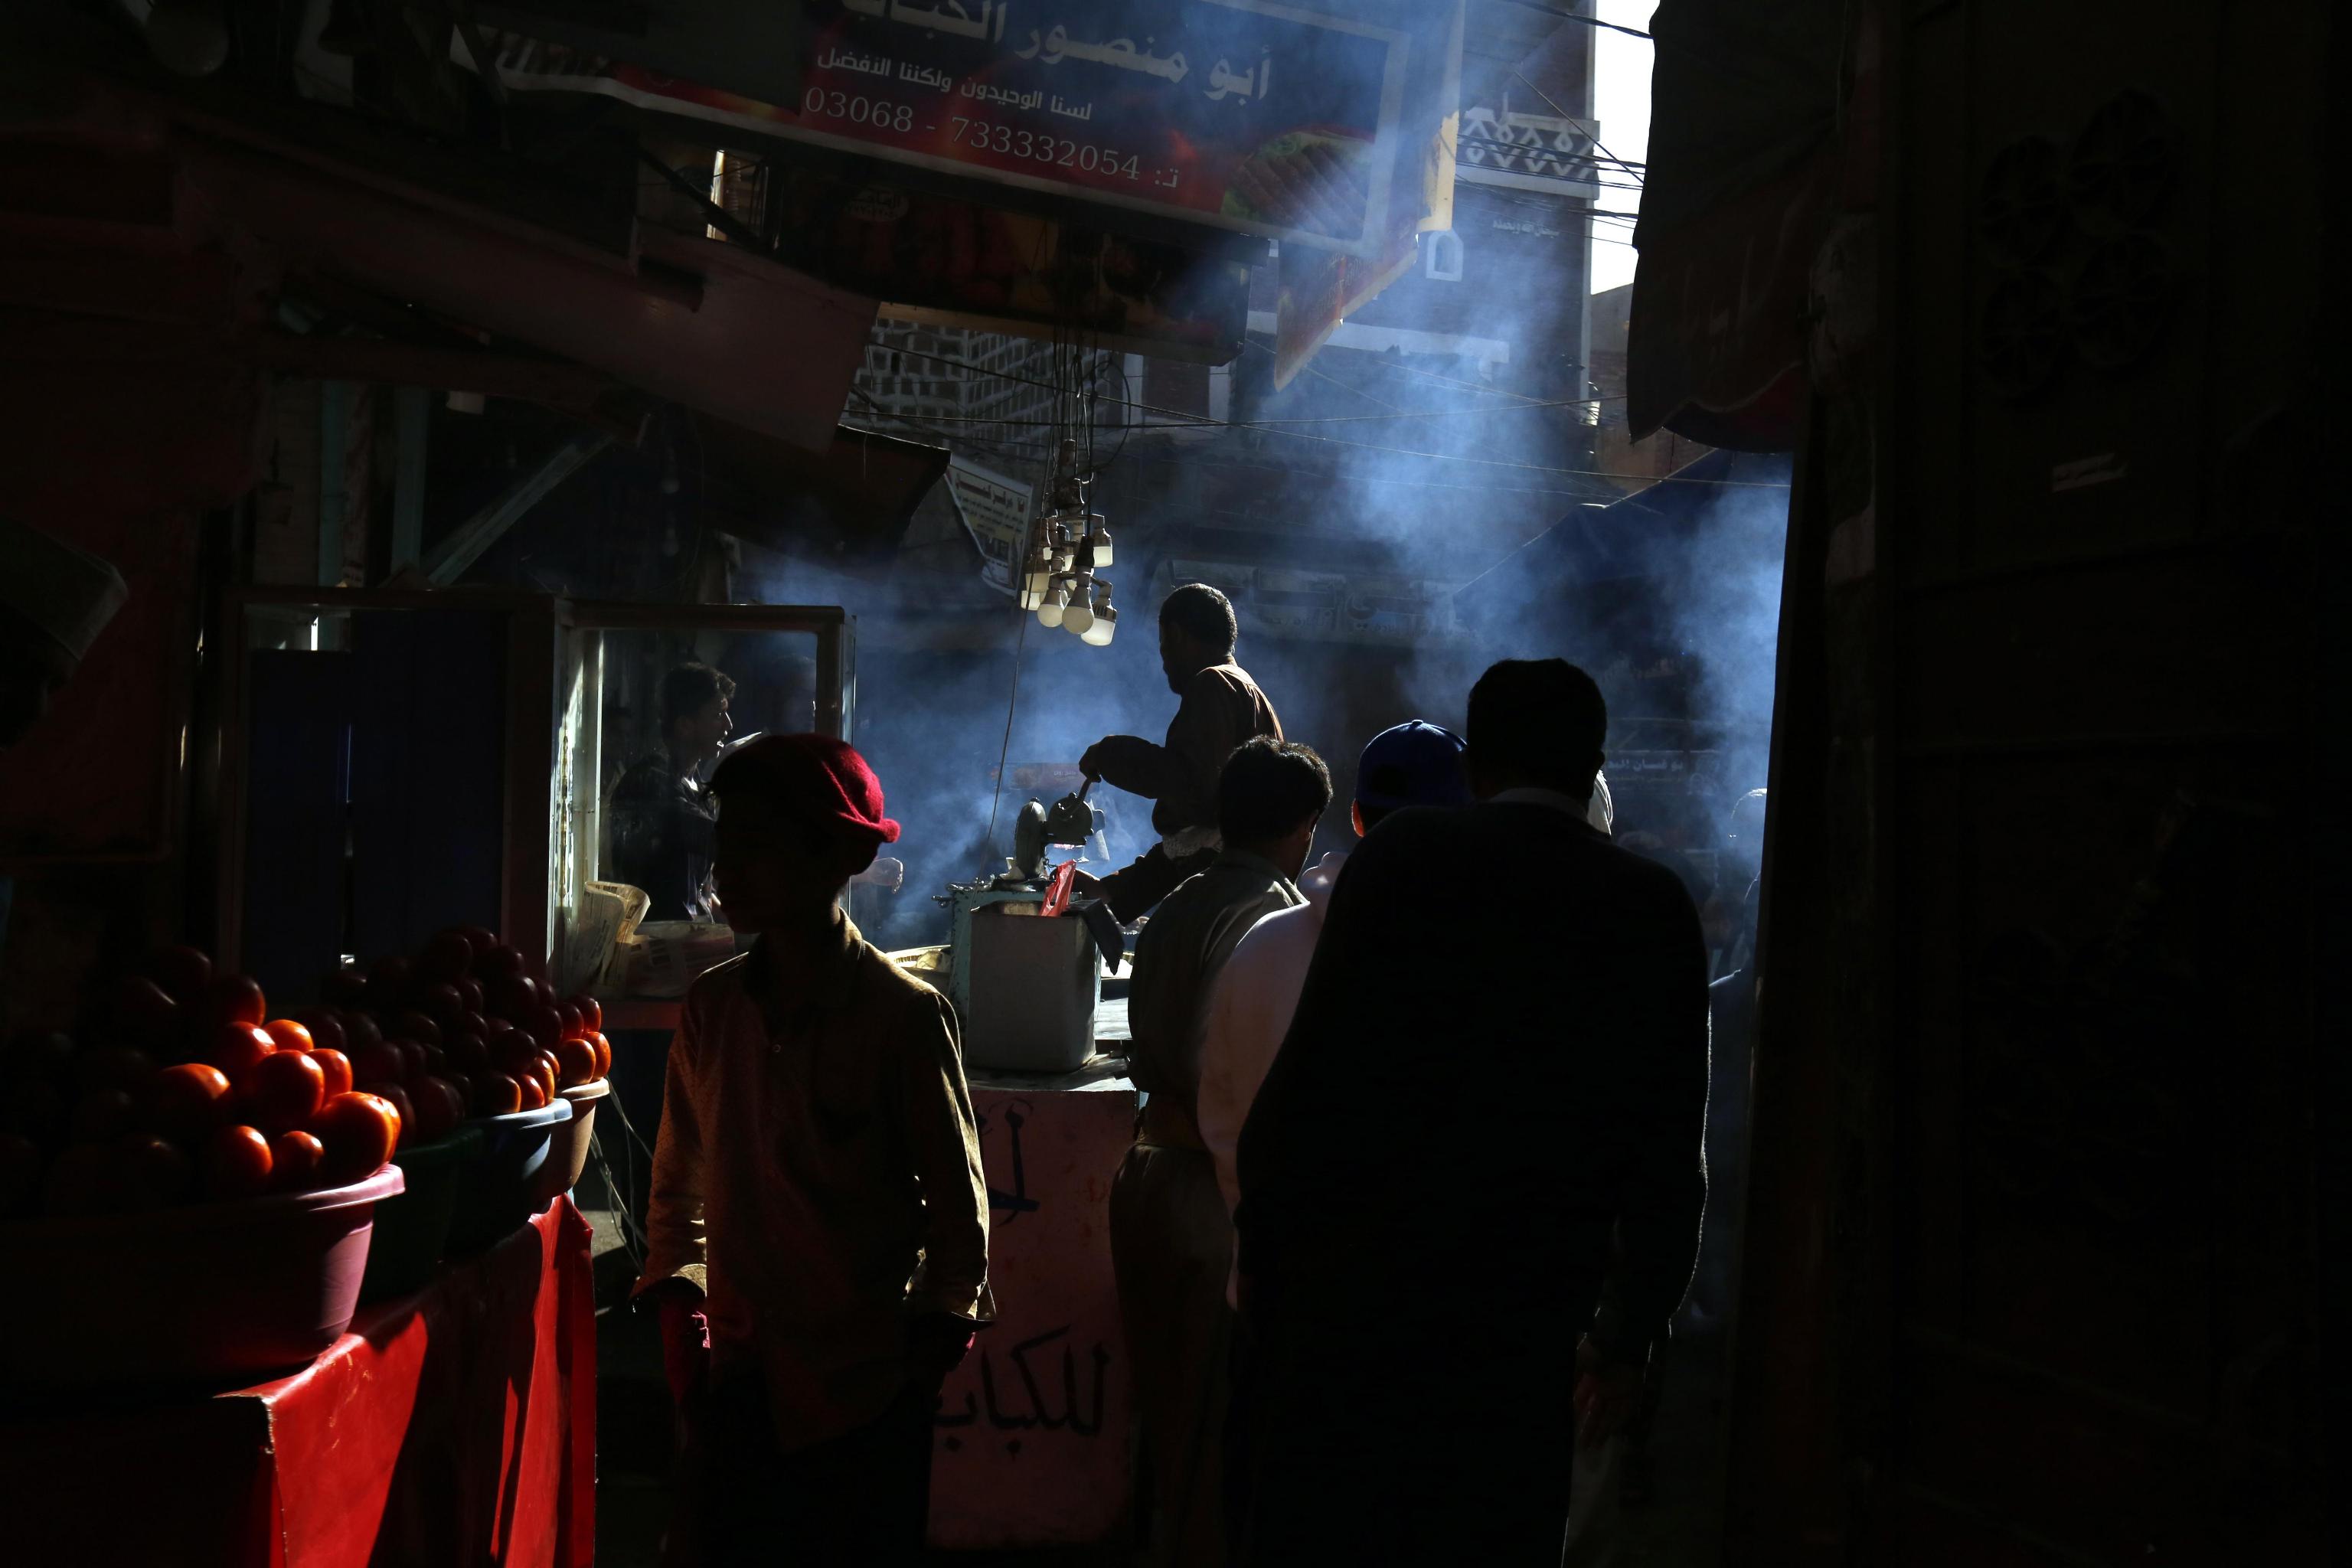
(818, 1234)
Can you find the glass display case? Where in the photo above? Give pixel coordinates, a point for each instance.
(394, 763)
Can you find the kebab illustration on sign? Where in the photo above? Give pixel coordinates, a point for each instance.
(1307, 180)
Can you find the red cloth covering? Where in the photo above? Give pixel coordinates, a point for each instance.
(457, 1425)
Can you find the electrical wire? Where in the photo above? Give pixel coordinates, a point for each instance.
(1581, 19)
(1564, 114)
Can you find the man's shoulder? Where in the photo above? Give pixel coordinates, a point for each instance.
(648, 776)
(895, 980)
(719, 982)
(1277, 938)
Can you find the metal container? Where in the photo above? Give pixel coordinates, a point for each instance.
(1031, 984)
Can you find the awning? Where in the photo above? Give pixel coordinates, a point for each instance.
(1744, 155)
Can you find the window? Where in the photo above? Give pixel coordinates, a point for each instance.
(1443, 262)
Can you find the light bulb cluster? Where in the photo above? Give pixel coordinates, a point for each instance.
(1069, 545)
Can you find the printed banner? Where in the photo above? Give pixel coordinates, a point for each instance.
(1245, 115)
(995, 512)
(955, 262)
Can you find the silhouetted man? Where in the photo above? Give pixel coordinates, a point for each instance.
(1170, 1242)
(1221, 708)
(1487, 1078)
(664, 821)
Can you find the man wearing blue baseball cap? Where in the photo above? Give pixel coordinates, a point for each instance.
(1414, 763)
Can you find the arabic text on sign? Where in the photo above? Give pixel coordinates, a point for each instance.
(880, 113)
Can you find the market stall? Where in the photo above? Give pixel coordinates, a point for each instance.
(315, 1279)
(457, 1425)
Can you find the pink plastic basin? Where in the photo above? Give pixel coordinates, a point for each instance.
(207, 1292)
(567, 1146)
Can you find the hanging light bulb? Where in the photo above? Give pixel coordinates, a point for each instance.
(1065, 547)
(1104, 623)
(1080, 615)
(1098, 542)
(1037, 575)
(1056, 604)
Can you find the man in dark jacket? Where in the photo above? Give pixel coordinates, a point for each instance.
(1221, 708)
(1488, 1080)
(663, 819)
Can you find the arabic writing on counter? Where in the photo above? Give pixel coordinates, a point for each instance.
(1047, 47)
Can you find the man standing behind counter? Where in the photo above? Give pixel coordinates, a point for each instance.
(662, 817)
(1221, 708)
(1170, 1242)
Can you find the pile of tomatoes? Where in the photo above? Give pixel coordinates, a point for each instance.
(461, 1028)
(179, 1086)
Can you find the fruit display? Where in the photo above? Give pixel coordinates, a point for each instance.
(462, 1028)
(178, 1089)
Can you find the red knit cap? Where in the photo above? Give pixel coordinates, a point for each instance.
(823, 778)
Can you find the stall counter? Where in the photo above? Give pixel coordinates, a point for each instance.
(455, 1426)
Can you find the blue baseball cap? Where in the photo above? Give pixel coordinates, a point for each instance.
(1415, 764)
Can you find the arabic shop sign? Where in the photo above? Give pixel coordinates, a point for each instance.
(995, 512)
(1259, 118)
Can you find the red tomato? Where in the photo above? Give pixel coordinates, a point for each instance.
(467, 1053)
(188, 1101)
(546, 1027)
(344, 988)
(102, 1115)
(442, 1000)
(513, 997)
(288, 1035)
(575, 1024)
(294, 1160)
(515, 1052)
(446, 956)
(338, 1069)
(603, 1056)
(439, 1109)
(575, 1063)
(497, 1094)
(20, 1174)
(404, 1109)
(184, 973)
(464, 1084)
(360, 1030)
(143, 1014)
(469, 993)
(44, 1053)
(114, 1066)
(235, 999)
(498, 961)
(418, 1027)
(592, 1012)
(480, 938)
(381, 1062)
(325, 1026)
(360, 1131)
(285, 1089)
(236, 1048)
(534, 1093)
(237, 1163)
(154, 1172)
(500, 1030)
(390, 981)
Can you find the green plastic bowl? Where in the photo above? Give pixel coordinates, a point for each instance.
(500, 1189)
(412, 1230)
